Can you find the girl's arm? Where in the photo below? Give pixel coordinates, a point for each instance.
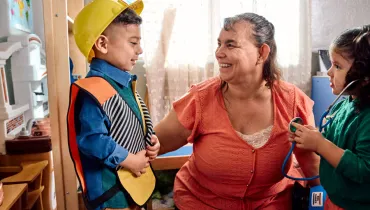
(352, 164)
(330, 152)
(308, 161)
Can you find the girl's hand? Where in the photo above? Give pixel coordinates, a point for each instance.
(307, 137)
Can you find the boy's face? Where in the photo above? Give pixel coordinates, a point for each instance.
(122, 48)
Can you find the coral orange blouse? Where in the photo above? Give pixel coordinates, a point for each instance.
(224, 172)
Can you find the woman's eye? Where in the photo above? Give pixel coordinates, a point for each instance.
(230, 45)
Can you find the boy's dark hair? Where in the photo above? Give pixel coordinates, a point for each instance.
(128, 16)
(263, 33)
(355, 44)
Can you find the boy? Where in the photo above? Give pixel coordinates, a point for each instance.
(108, 123)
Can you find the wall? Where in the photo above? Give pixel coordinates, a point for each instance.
(331, 17)
(38, 20)
(38, 29)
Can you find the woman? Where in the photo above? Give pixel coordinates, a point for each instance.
(238, 124)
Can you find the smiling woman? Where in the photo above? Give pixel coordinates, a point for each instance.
(237, 154)
(248, 40)
(180, 38)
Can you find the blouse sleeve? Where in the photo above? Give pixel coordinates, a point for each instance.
(188, 112)
(304, 106)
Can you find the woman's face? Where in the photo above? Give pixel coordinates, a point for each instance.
(338, 72)
(236, 53)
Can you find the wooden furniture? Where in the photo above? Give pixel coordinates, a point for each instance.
(15, 197)
(10, 164)
(173, 160)
(31, 175)
(169, 163)
(59, 46)
(28, 145)
(35, 148)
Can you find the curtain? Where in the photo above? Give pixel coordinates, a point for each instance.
(180, 37)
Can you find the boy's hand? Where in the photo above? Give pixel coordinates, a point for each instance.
(136, 163)
(307, 137)
(152, 151)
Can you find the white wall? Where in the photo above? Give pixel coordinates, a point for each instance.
(331, 17)
(38, 20)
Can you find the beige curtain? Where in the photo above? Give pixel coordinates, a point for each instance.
(179, 39)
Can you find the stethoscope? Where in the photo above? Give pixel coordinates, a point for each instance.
(321, 127)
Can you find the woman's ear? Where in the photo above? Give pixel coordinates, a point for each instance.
(264, 53)
(101, 44)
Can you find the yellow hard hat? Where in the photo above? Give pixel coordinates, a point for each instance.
(95, 17)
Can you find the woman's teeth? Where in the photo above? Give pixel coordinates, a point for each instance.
(222, 65)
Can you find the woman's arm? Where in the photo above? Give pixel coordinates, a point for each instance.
(171, 133)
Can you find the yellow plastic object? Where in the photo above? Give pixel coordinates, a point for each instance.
(94, 18)
(139, 188)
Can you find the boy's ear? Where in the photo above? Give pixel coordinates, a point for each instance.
(101, 44)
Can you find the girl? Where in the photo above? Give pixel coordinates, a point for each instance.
(344, 145)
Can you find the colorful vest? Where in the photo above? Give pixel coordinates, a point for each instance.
(124, 129)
